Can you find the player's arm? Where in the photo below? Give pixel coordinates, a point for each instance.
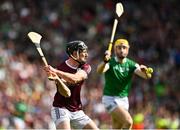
(69, 77)
(143, 71)
(104, 66)
(79, 76)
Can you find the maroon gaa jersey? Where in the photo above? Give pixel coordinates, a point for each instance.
(73, 103)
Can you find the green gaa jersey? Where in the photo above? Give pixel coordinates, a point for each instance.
(118, 77)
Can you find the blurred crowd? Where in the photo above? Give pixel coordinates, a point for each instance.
(152, 28)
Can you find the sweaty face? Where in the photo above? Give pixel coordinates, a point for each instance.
(81, 56)
(121, 51)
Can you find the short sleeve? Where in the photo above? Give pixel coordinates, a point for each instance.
(133, 65)
(86, 68)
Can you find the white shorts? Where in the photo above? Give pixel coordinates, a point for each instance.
(111, 102)
(78, 119)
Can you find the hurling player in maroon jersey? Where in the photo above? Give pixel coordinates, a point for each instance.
(67, 111)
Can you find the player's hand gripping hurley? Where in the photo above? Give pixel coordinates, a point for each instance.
(119, 11)
(36, 38)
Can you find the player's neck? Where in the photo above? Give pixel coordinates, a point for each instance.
(120, 60)
(72, 62)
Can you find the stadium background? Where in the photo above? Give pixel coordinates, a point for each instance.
(152, 28)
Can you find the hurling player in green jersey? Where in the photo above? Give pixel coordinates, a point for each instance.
(118, 71)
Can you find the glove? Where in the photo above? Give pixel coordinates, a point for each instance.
(149, 72)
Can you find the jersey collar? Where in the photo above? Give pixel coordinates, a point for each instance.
(124, 60)
(70, 65)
